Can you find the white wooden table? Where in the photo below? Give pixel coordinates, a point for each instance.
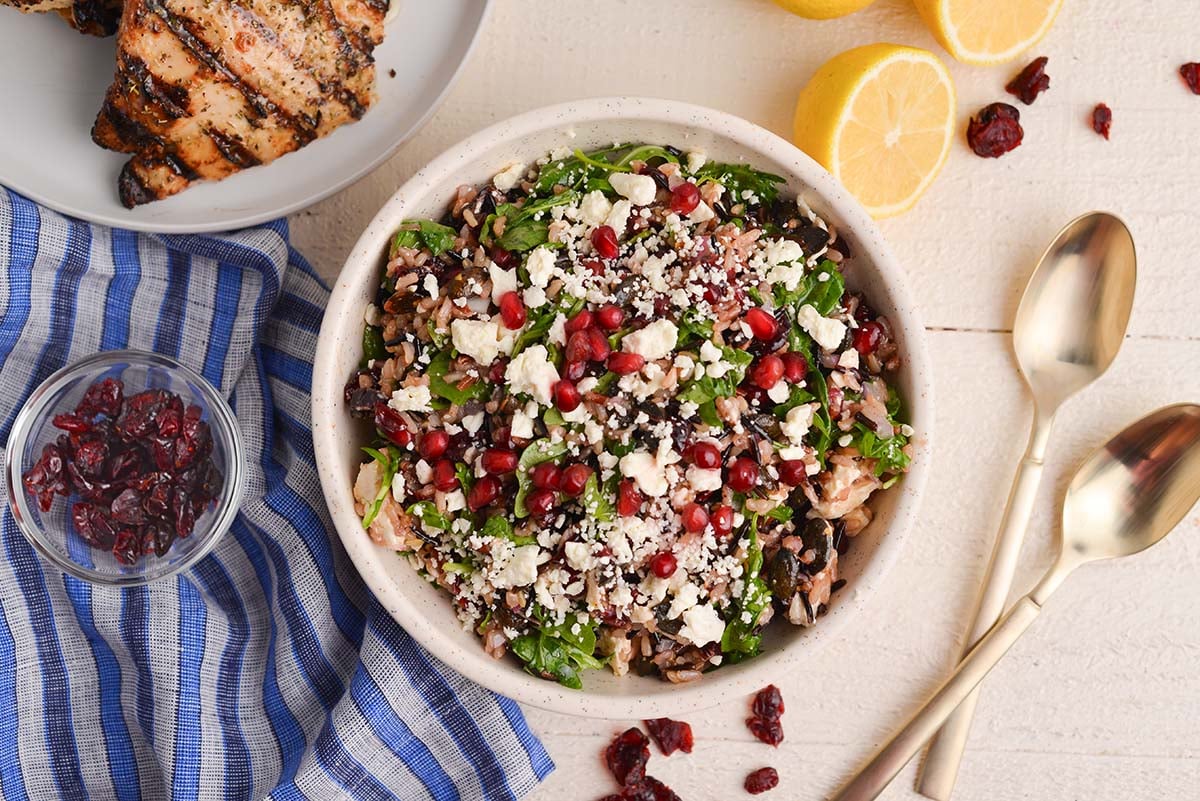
(1102, 699)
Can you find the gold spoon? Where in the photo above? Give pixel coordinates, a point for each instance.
(1069, 327)
(1126, 497)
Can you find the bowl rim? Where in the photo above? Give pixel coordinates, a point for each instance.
(220, 413)
(327, 391)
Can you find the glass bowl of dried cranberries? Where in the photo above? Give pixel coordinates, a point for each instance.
(124, 468)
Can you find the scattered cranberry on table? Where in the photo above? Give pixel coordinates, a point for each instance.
(1030, 82)
(767, 710)
(1191, 76)
(141, 467)
(762, 780)
(995, 130)
(671, 735)
(1102, 120)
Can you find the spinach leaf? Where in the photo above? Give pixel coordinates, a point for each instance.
(372, 345)
(389, 463)
(741, 639)
(781, 513)
(429, 515)
(648, 154)
(440, 339)
(525, 226)
(889, 452)
(438, 385)
(708, 414)
(417, 234)
(499, 526)
(552, 416)
(824, 296)
(693, 328)
(707, 388)
(595, 501)
(555, 652)
(536, 452)
(738, 178)
(465, 478)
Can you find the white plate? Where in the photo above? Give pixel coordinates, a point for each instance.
(52, 82)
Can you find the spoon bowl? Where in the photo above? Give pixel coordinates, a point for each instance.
(1075, 310)
(1134, 490)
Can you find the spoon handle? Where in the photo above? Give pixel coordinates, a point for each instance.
(874, 777)
(945, 752)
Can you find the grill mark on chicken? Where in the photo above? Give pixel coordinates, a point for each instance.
(205, 88)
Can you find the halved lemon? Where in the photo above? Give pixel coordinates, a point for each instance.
(880, 118)
(823, 9)
(988, 31)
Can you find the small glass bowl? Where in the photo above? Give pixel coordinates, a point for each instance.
(53, 533)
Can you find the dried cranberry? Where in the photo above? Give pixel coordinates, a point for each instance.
(671, 735)
(768, 731)
(72, 422)
(574, 479)
(127, 508)
(92, 525)
(762, 780)
(768, 703)
(649, 789)
(127, 546)
(1031, 81)
(626, 757)
(1191, 76)
(623, 363)
(496, 370)
(1102, 120)
(995, 130)
(604, 240)
(104, 397)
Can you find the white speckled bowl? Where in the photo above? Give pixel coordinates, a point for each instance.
(421, 608)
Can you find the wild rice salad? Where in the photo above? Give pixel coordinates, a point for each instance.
(625, 412)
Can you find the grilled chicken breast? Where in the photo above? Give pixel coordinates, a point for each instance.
(205, 88)
(97, 17)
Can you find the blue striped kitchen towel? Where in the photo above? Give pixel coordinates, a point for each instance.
(268, 671)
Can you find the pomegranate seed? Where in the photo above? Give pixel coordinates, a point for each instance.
(604, 240)
(610, 317)
(541, 502)
(444, 477)
(496, 370)
(722, 519)
(546, 475)
(623, 363)
(792, 472)
(486, 490)
(599, 343)
(704, 455)
(512, 310)
(499, 461)
(743, 475)
(663, 564)
(566, 396)
(795, 367)
(433, 445)
(573, 371)
(685, 198)
(695, 517)
(629, 498)
(392, 425)
(767, 371)
(762, 325)
(579, 347)
(574, 478)
(580, 322)
(594, 266)
(868, 337)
